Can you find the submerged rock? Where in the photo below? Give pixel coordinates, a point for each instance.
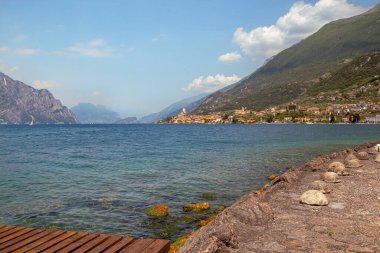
(159, 210)
(331, 177)
(363, 155)
(354, 163)
(196, 207)
(208, 195)
(314, 198)
(320, 186)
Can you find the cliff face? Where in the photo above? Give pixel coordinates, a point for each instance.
(22, 104)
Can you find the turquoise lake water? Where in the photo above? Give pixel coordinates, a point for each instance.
(102, 178)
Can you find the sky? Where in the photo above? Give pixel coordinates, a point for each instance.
(139, 56)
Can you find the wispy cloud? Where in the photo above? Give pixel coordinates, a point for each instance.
(302, 20)
(39, 84)
(96, 48)
(230, 57)
(4, 50)
(8, 69)
(19, 38)
(158, 38)
(26, 51)
(211, 83)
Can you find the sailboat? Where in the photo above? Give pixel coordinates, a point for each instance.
(32, 122)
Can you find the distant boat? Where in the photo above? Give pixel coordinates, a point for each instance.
(32, 122)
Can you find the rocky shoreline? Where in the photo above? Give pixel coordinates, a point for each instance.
(272, 219)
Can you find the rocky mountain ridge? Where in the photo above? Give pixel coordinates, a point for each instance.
(22, 104)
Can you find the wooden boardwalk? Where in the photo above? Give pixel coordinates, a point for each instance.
(23, 239)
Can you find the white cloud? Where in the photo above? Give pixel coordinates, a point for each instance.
(230, 57)
(38, 84)
(7, 69)
(211, 83)
(302, 20)
(96, 48)
(96, 94)
(26, 51)
(4, 50)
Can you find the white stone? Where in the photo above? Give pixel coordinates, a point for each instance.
(314, 198)
(319, 186)
(331, 177)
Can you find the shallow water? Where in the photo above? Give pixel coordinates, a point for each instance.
(101, 178)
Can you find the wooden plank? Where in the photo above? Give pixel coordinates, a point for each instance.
(6, 228)
(27, 241)
(4, 246)
(59, 242)
(21, 240)
(120, 245)
(92, 244)
(73, 246)
(106, 244)
(40, 241)
(15, 234)
(137, 246)
(158, 246)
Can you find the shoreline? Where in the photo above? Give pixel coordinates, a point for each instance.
(271, 219)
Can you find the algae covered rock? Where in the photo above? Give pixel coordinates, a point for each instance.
(196, 207)
(363, 155)
(331, 177)
(272, 177)
(314, 198)
(319, 186)
(354, 163)
(208, 195)
(159, 210)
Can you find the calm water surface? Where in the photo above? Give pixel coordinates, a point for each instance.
(101, 178)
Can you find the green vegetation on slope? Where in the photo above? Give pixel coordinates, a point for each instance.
(292, 73)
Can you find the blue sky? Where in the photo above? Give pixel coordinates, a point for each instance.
(138, 56)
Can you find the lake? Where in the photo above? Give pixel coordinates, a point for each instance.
(102, 178)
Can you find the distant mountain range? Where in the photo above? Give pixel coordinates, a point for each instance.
(174, 109)
(88, 113)
(295, 72)
(22, 104)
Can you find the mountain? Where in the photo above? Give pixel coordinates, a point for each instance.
(189, 103)
(88, 113)
(128, 120)
(292, 73)
(22, 104)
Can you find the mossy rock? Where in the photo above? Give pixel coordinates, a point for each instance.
(203, 223)
(159, 210)
(196, 207)
(208, 196)
(272, 177)
(221, 208)
(186, 219)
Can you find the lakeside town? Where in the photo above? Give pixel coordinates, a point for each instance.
(361, 112)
